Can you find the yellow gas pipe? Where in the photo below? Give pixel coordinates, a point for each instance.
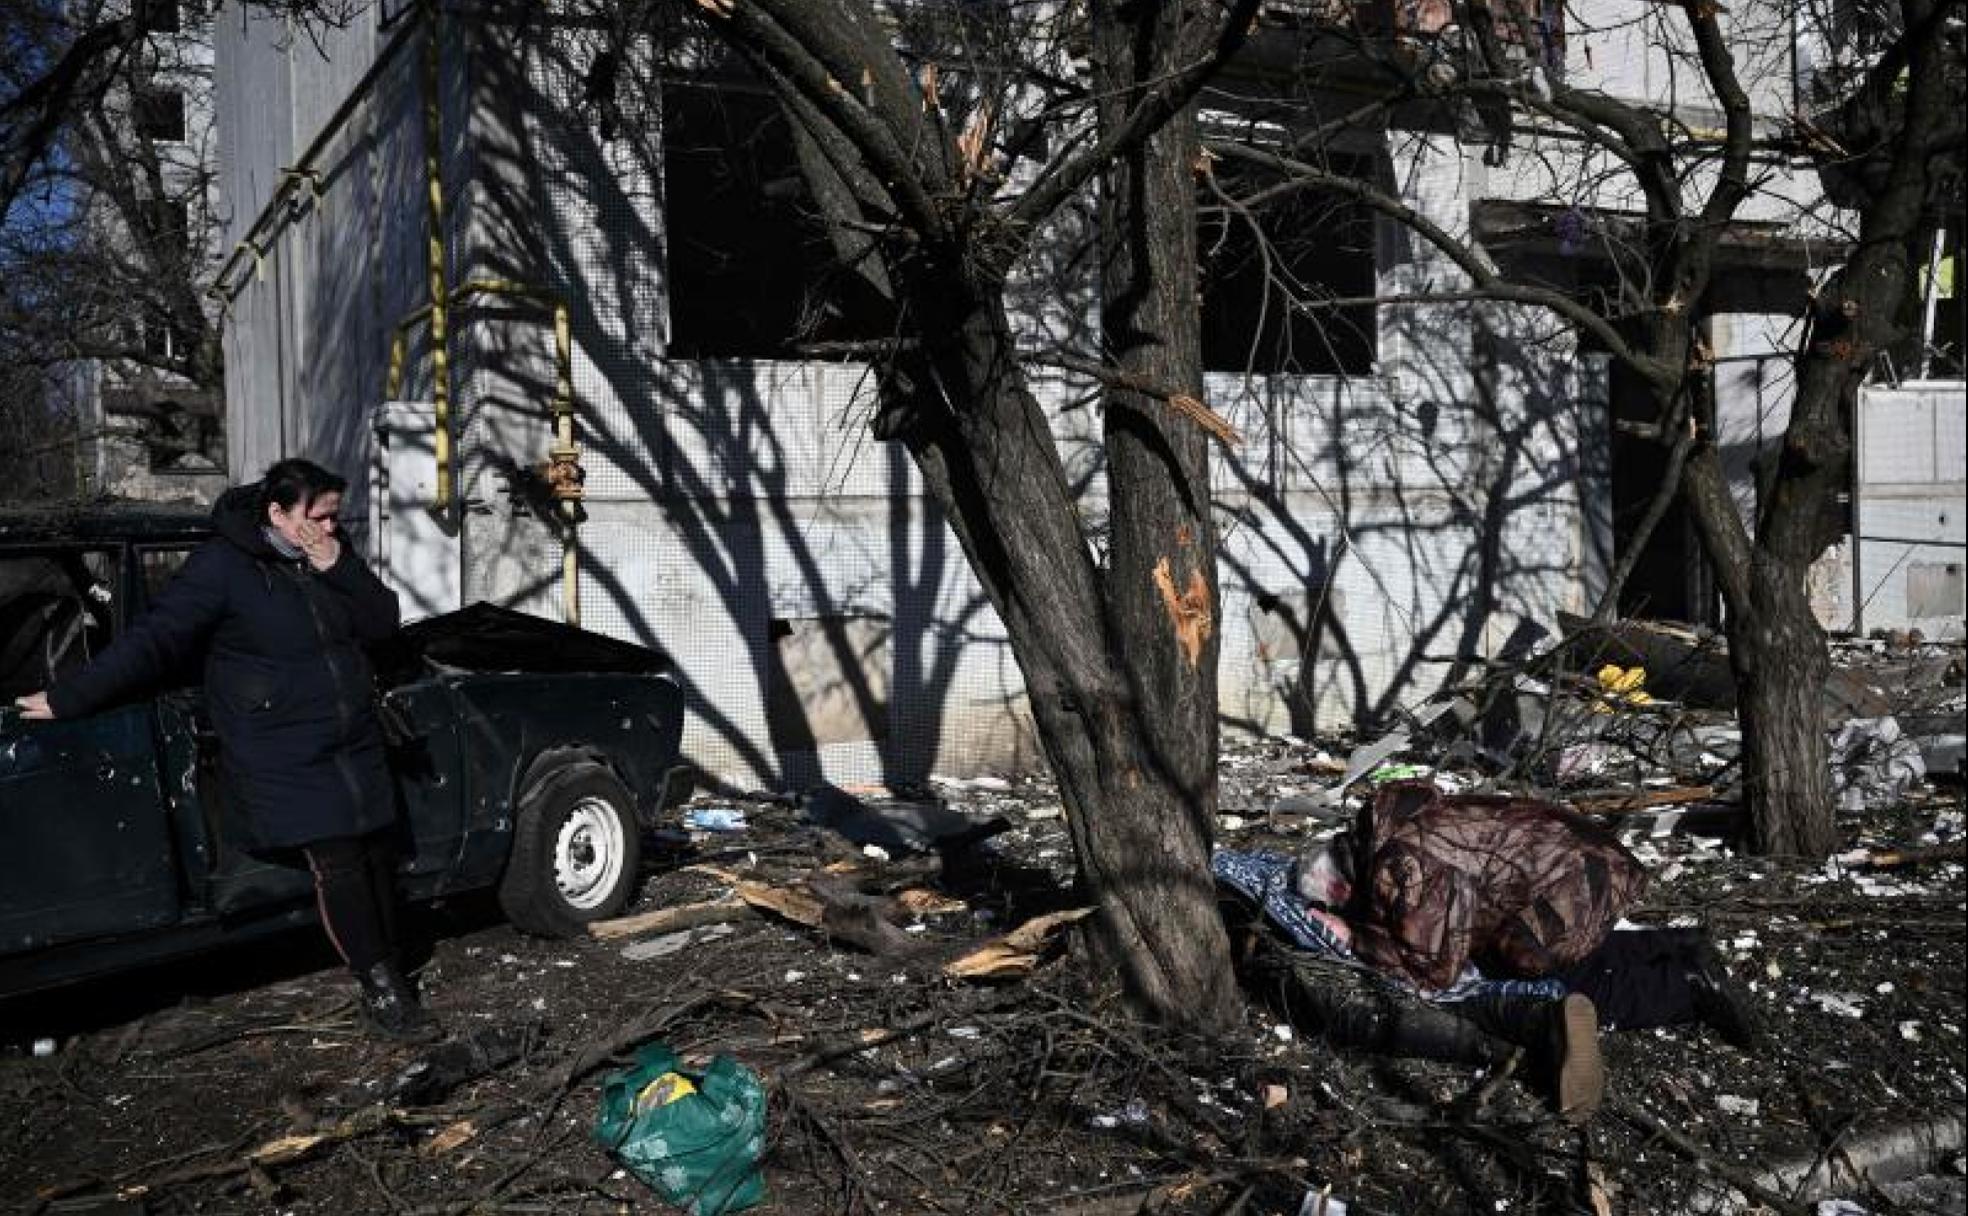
(562, 470)
(435, 271)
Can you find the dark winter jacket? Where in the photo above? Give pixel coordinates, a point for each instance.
(287, 685)
(1520, 887)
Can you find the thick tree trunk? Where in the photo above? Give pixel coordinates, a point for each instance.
(1162, 602)
(1119, 664)
(1778, 653)
(1776, 647)
(1127, 764)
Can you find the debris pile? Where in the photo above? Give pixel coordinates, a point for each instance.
(900, 972)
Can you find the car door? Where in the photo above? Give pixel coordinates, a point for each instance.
(85, 843)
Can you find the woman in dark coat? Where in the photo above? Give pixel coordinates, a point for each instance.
(279, 608)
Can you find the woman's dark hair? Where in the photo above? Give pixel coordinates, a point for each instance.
(294, 480)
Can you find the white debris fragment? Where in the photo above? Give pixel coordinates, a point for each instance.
(1910, 1031)
(874, 852)
(794, 977)
(1282, 1032)
(1746, 1108)
(1846, 1004)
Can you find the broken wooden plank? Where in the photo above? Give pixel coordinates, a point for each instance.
(1893, 859)
(1014, 953)
(723, 910)
(1628, 801)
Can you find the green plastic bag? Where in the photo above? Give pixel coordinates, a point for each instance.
(695, 1139)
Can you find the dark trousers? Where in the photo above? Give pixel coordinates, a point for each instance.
(355, 888)
(1638, 978)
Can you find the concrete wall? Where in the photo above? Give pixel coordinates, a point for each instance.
(307, 335)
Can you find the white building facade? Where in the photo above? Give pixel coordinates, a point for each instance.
(1437, 496)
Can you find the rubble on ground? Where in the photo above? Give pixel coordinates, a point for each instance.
(898, 969)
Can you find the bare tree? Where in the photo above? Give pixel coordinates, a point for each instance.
(110, 238)
(1674, 188)
(907, 120)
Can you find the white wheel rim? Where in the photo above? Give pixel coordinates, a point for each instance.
(588, 854)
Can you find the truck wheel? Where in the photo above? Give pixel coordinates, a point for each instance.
(576, 852)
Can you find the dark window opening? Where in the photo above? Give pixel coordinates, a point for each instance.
(752, 273)
(1268, 304)
(168, 223)
(163, 16)
(160, 115)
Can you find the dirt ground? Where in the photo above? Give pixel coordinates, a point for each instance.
(893, 1088)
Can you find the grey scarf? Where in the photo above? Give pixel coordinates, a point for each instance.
(280, 543)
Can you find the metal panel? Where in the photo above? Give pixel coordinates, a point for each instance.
(1910, 508)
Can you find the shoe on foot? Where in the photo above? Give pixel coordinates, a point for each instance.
(1578, 1073)
(390, 1006)
(1719, 1003)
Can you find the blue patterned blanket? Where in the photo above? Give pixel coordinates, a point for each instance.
(1266, 879)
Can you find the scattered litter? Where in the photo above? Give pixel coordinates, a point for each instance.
(1746, 1108)
(714, 819)
(1321, 1203)
(695, 1139)
(1873, 763)
(1398, 772)
(1620, 687)
(672, 943)
(1135, 1114)
(1846, 1004)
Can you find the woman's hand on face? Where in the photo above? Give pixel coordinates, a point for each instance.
(319, 544)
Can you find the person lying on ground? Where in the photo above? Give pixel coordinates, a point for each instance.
(1422, 885)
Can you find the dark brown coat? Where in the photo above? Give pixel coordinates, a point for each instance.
(1520, 887)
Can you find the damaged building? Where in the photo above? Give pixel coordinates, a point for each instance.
(542, 302)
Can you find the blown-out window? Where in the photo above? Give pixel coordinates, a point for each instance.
(159, 114)
(752, 272)
(1286, 274)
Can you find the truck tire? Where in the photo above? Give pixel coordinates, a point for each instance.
(576, 852)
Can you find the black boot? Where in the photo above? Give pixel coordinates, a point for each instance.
(1562, 1039)
(1718, 1002)
(389, 1005)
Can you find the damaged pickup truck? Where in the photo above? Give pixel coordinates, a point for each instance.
(527, 757)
